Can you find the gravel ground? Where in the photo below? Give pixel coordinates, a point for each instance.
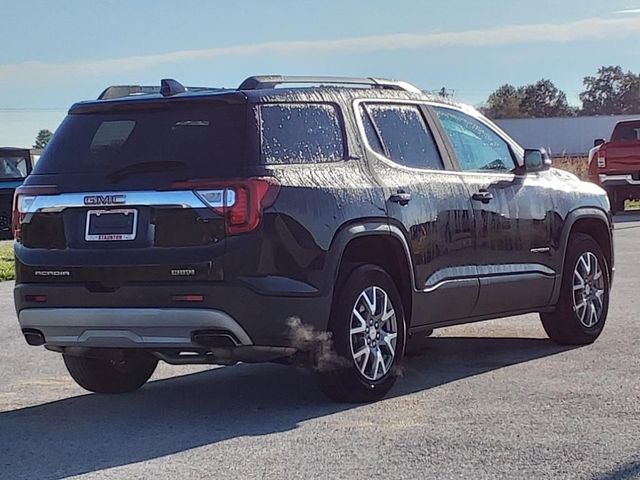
(487, 401)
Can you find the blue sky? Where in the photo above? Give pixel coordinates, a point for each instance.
(55, 53)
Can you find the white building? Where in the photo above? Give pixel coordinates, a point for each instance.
(564, 135)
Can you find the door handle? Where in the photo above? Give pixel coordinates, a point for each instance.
(482, 196)
(401, 197)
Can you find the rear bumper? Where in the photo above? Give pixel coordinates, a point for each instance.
(147, 315)
(620, 188)
(617, 180)
(129, 327)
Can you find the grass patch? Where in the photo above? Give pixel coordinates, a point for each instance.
(579, 166)
(7, 267)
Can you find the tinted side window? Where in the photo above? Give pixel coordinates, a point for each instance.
(476, 145)
(301, 133)
(405, 135)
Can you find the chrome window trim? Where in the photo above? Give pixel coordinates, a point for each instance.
(519, 151)
(365, 141)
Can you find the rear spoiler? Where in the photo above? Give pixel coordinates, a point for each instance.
(120, 91)
(167, 88)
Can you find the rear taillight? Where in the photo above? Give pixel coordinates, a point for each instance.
(601, 159)
(22, 200)
(240, 202)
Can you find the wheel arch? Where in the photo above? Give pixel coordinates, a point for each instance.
(595, 223)
(380, 244)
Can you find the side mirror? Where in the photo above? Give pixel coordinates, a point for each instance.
(536, 160)
(599, 141)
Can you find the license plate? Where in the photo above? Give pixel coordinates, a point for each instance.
(111, 225)
(631, 205)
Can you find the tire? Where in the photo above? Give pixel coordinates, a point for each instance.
(367, 361)
(102, 375)
(570, 323)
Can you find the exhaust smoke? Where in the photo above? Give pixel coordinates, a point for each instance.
(319, 344)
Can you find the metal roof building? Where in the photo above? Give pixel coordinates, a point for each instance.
(564, 135)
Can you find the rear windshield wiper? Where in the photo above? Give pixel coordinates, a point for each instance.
(145, 167)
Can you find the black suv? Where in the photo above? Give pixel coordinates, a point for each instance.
(332, 220)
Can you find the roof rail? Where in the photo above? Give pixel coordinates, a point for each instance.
(271, 81)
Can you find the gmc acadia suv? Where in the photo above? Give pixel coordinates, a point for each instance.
(324, 219)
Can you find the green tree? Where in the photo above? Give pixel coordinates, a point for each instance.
(611, 92)
(543, 99)
(44, 136)
(504, 103)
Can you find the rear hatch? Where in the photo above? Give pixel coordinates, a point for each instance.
(147, 189)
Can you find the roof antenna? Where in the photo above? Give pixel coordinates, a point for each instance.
(170, 87)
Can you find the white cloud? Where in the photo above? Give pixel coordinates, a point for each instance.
(587, 29)
(628, 11)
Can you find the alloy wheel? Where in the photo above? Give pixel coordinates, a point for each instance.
(374, 333)
(588, 290)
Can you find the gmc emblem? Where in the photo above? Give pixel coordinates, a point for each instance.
(105, 199)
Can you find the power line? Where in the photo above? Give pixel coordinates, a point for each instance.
(32, 109)
(442, 92)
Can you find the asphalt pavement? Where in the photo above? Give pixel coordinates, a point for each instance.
(486, 401)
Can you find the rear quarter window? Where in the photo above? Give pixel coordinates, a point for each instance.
(301, 133)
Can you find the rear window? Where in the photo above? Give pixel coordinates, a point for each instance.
(194, 142)
(301, 133)
(627, 131)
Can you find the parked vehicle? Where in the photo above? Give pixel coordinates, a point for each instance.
(333, 223)
(15, 165)
(615, 165)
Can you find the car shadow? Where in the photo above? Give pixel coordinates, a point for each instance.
(627, 471)
(90, 432)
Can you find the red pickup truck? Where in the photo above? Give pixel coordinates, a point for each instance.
(615, 165)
